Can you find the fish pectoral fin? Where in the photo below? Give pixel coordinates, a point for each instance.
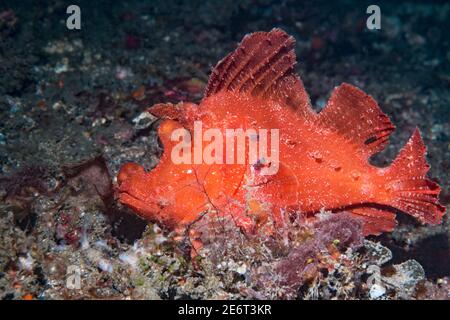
(263, 66)
(357, 116)
(375, 220)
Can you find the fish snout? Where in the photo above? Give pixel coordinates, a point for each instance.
(127, 171)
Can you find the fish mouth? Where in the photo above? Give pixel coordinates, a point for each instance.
(127, 198)
(143, 208)
(125, 195)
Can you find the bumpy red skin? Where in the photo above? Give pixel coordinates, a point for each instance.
(323, 157)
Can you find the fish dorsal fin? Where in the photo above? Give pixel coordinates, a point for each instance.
(263, 66)
(358, 117)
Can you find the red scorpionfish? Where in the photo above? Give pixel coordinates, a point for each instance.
(323, 157)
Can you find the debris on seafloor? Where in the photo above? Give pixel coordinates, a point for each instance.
(404, 278)
(323, 260)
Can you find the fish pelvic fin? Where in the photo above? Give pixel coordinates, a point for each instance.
(375, 220)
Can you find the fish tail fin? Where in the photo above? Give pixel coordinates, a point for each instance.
(411, 191)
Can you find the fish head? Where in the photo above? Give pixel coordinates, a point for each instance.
(141, 190)
(167, 194)
(134, 191)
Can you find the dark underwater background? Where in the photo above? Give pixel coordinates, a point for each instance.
(70, 102)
